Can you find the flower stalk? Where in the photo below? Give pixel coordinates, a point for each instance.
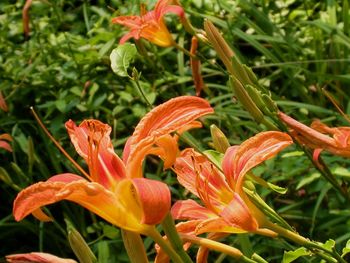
(174, 238)
(211, 244)
(154, 234)
(295, 237)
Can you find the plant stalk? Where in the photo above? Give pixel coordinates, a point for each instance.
(211, 244)
(174, 238)
(154, 234)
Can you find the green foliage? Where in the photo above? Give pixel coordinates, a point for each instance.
(291, 256)
(295, 48)
(121, 58)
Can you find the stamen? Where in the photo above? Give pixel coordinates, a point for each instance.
(202, 190)
(94, 143)
(58, 145)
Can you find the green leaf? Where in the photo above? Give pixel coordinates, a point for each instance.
(110, 231)
(308, 180)
(121, 57)
(346, 249)
(341, 171)
(329, 245)
(262, 182)
(290, 256)
(214, 156)
(293, 154)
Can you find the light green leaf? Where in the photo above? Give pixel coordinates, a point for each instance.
(346, 249)
(329, 245)
(293, 154)
(121, 57)
(341, 171)
(290, 256)
(111, 231)
(308, 180)
(214, 156)
(262, 182)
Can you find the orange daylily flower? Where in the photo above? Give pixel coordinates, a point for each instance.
(115, 189)
(25, 18)
(4, 139)
(227, 208)
(3, 104)
(37, 257)
(150, 25)
(319, 136)
(196, 67)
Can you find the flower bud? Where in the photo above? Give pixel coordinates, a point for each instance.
(220, 141)
(79, 246)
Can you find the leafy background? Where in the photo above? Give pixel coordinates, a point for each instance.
(296, 48)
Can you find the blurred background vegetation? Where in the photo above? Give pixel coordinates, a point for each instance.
(62, 68)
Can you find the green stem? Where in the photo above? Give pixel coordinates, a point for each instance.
(174, 238)
(154, 234)
(211, 244)
(134, 247)
(295, 237)
(135, 79)
(184, 50)
(323, 168)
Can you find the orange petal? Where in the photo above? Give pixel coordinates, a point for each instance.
(340, 134)
(202, 178)
(6, 136)
(3, 144)
(128, 21)
(92, 142)
(186, 171)
(189, 209)
(3, 104)
(37, 257)
(156, 32)
(316, 154)
(305, 131)
(342, 137)
(6, 146)
(252, 152)
(237, 215)
(40, 215)
(167, 150)
(314, 137)
(217, 225)
(162, 7)
(155, 199)
(164, 119)
(196, 67)
(192, 125)
(321, 127)
(94, 197)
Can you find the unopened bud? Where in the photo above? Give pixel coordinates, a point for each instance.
(220, 141)
(219, 44)
(79, 246)
(244, 98)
